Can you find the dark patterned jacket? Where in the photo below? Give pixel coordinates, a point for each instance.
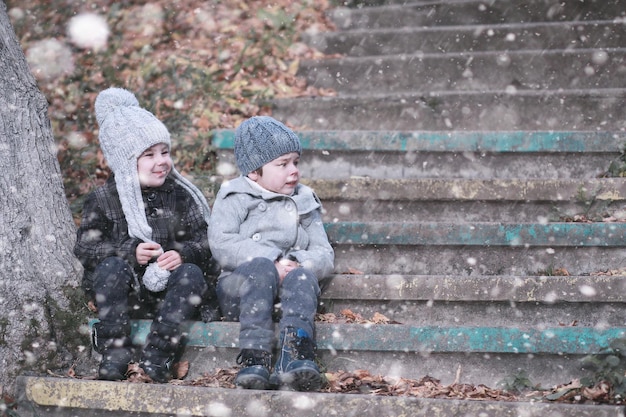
(176, 220)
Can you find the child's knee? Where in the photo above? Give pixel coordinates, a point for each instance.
(302, 278)
(113, 272)
(190, 276)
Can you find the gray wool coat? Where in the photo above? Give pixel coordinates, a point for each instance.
(248, 222)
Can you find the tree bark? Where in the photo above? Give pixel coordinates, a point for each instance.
(39, 320)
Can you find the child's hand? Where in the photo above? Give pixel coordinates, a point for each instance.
(146, 251)
(285, 266)
(170, 260)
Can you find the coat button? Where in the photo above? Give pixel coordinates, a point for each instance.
(262, 206)
(152, 196)
(256, 237)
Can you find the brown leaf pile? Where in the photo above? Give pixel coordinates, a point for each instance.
(136, 374)
(611, 272)
(362, 382)
(601, 217)
(221, 378)
(348, 316)
(576, 393)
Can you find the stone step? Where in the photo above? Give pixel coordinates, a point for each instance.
(498, 110)
(478, 234)
(451, 189)
(412, 351)
(464, 13)
(437, 154)
(546, 289)
(476, 248)
(481, 300)
(415, 40)
(475, 259)
(468, 211)
(67, 397)
(471, 71)
(575, 340)
(469, 201)
(478, 141)
(464, 201)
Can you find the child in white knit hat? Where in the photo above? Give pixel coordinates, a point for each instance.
(266, 233)
(142, 241)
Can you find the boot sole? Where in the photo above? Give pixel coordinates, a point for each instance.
(110, 372)
(301, 380)
(252, 382)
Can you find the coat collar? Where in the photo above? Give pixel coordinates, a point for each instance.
(303, 196)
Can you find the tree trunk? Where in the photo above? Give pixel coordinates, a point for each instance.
(39, 320)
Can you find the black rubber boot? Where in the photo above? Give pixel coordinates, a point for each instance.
(295, 367)
(162, 347)
(113, 342)
(255, 373)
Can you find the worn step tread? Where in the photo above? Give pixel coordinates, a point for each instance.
(526, 69)
(477, 288)
(479, 37)
(496, 92)
(466, 190)
(467, 13)
(446, 141)
(120, 399)
(484, 155)
(498, 110)
(575, 340)
(484, 234)
(476, 26)
(455, 189)
(406, 40)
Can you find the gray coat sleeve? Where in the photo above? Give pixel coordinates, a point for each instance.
(318, 256)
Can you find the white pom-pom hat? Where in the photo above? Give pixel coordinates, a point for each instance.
(126, 131)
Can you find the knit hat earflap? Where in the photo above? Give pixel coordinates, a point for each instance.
(126, 131)
(262, 139)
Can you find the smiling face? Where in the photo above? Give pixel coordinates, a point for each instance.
(154, 165)
(280, 175)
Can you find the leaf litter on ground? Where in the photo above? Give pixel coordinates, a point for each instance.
(363, 382)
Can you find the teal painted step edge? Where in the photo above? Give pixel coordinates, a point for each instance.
(539, 141)
(407, 339)
(481, 234)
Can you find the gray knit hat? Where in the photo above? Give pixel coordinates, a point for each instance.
(126, 130)
(262, 139)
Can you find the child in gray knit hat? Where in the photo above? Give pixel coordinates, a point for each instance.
(142, 241)
(266, 232)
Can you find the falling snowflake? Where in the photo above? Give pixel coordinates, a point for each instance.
(49, 59)
(88, 31)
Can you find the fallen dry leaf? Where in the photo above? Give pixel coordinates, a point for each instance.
(380, 319)
(180, 369)
(348, 316)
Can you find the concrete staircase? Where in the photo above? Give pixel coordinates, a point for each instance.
(461, 170)
(470, 65)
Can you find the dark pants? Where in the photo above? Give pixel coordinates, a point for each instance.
(248, 295)
(118, 299)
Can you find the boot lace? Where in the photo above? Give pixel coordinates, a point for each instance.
(253, 357)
